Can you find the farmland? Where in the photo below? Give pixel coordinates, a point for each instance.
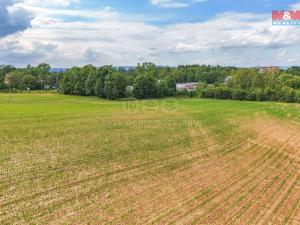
(83, 160)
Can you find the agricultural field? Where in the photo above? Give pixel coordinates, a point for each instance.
(83, 160)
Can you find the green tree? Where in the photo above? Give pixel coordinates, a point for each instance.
(162, 89)
(144, 87)
(4, 69)
(147, 69)
(287, 94)
(244, 79)
(171, 83)
(294, 82)
(101, 75)
(68, 81)
(222, 93)
(29, 81)
(115, 86)
(295, 70)
(238, 94)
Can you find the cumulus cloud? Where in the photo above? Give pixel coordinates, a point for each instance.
(14, 51)
(226, 33)
(108, 37)
(13, 19)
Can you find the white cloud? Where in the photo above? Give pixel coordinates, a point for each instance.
(169, 4)
(62, 3)
(111, 38)
(50, 12)
(225, 32)
(295, 6)
(174, 3)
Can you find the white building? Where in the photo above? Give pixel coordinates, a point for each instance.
(192, 86)
(129, 89)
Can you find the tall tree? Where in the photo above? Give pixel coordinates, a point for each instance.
(144, 87)
(115, 86)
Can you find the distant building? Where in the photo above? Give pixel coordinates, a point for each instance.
(187, 86)
(269, 69)
(129, 89)
(227, 79)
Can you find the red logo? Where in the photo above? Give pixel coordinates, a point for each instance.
(286, 15)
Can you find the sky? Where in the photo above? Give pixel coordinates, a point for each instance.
(67, 33)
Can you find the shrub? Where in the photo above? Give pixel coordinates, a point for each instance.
(238, 94)
(162, 89)
(297, 96)
(206, 92)
(287, 94)
(181, 93)
(192, 94)
(222, 93)
(251, 96)
(260, 95)
(270, 94)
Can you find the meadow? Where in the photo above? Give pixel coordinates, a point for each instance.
(83, 160)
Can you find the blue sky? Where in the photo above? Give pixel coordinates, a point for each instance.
(198, 10)
(65, 33)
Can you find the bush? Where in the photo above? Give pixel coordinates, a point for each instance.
(270, 94)
(238, 94)
(251, 96)
(162, 89)
(206, 92)
(260, 95)
(297, 96)
(222, 93)
(294, 83)
(192, 94)
(180, 93)
(287, 94)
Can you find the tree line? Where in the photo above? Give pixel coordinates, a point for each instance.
(150, 81)
(142, 82)
(33, 78)
(251, 85)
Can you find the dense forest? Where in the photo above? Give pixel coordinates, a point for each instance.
(150, 81)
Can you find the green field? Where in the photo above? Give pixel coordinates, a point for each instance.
(83, 160)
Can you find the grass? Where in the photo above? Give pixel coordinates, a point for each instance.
(83, 160)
